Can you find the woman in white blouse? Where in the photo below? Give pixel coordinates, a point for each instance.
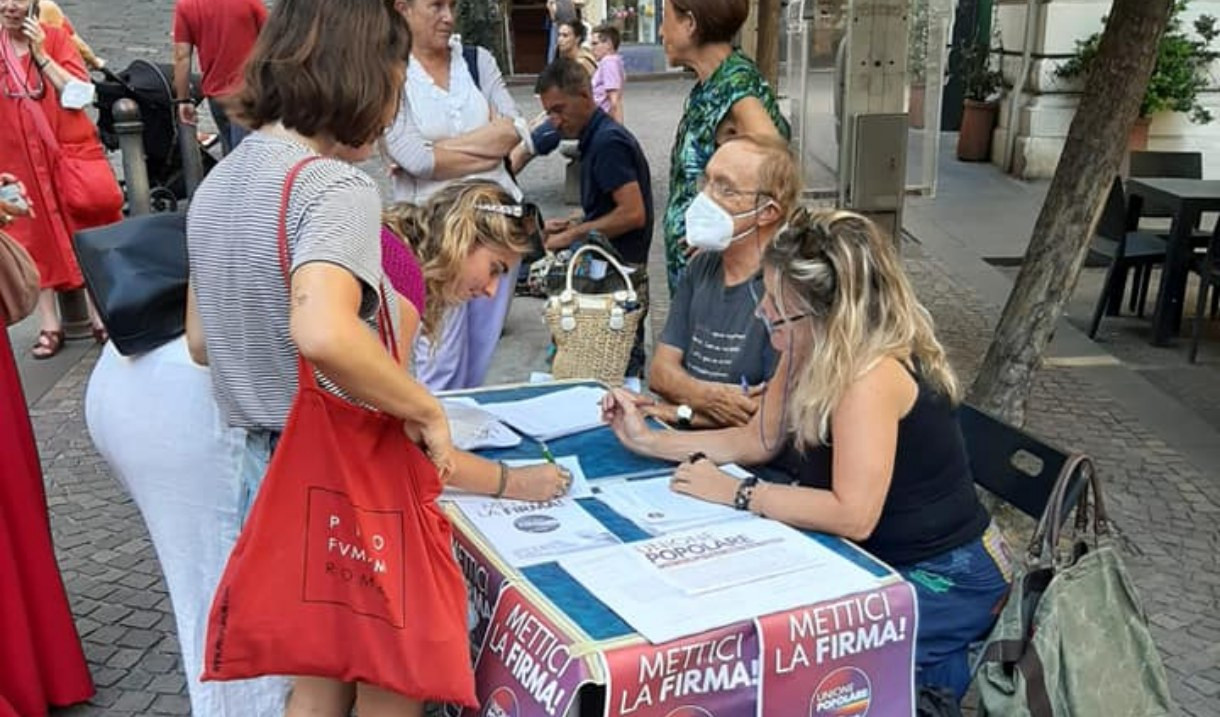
(453, 126)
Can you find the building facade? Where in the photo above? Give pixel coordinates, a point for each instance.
(1045, 108)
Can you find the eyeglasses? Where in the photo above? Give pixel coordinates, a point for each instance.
(726, 192)
(772, 325)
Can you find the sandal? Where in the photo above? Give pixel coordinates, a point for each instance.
(49, 344)
(100, 335)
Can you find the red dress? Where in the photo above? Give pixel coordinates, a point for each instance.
(41, 661)
(47, 236)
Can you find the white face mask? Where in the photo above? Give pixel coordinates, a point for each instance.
(709, 226)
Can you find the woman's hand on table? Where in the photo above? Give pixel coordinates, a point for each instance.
(538, 483)
(621, 410)
(703, 480)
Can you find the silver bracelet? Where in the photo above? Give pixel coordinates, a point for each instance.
(503, 481)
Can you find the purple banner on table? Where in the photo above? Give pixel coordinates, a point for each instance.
(841, 658)
(483, 583)
(714, 674)
(526, 667)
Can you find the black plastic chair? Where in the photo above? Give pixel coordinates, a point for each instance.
(1182, 165)
(1209, 279)
(1002, 460)
(1127, 249)
(1178, 165)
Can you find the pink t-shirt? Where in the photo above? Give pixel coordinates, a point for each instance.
(402, 269)
(610, 75)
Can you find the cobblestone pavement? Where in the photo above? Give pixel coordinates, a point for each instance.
(1168, 506)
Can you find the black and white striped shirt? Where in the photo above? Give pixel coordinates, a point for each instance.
(232, 228)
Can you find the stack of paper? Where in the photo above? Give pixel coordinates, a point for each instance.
(685, 583)
(656, 509)
(530, 533)
(474, 429)
(553, 415)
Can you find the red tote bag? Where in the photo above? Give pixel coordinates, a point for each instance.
(345, 567)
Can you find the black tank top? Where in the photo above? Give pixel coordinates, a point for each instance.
(931, 506)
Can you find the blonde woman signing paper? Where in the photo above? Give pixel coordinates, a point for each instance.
(458, 246)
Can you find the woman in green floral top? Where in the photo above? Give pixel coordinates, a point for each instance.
(731, 97)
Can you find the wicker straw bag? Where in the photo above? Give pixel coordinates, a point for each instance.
(593, 333)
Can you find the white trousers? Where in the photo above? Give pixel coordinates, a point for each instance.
(154, 420)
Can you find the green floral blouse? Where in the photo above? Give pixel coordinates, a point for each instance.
(708, 104)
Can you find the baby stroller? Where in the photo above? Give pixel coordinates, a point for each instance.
(149, 85)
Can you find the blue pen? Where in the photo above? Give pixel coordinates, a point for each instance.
(745, 385)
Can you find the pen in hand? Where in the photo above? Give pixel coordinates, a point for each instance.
(546, 452)
(745, 385)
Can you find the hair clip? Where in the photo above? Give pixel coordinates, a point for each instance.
(508, 210)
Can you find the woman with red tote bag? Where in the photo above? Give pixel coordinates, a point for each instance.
(343, 575)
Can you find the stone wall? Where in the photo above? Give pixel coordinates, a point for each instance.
(1048, 104)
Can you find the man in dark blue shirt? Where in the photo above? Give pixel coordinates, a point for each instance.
(615, 182)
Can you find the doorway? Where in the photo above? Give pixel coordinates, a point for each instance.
(527, 30)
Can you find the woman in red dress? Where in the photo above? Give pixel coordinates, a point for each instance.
(41, 661)
(36, 62)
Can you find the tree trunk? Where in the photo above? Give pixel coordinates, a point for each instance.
(1096, 143)
(767, 55)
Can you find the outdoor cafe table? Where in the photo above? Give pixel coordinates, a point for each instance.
(545, 647)
(1188, 198)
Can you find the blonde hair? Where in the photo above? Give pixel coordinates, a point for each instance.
(447, 228)
(841, 271)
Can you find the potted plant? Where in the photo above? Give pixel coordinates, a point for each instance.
(917, 60)
(1180, 74)
(981, 85)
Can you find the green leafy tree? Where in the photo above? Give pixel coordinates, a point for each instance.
(481, 22)
(1182, 66)
(1096, 143)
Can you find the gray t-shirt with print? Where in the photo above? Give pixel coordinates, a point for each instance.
(715, 328)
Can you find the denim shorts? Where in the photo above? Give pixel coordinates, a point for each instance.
(960, 593)
(260, 445)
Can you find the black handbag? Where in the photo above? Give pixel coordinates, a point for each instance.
(136, 273)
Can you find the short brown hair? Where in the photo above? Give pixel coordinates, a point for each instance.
(780, 175)
(326, 68)
(609, 33)
(565, 74)
(715, 20)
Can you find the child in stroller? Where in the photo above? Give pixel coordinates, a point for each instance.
(149, 86)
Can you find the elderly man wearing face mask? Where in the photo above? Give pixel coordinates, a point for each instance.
(713, 357)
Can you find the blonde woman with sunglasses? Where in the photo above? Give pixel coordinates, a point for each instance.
(864, 403)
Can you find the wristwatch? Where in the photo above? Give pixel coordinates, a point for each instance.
(685, 415)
